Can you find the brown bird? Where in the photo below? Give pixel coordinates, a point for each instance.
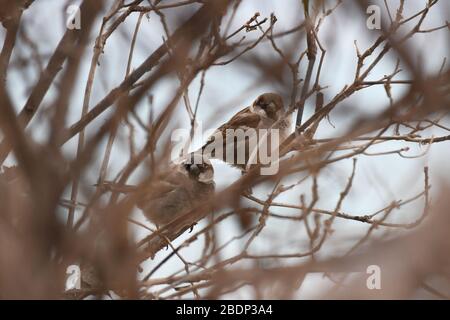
(182, 188)
(242, 149)
(173, 192)
(230, 145)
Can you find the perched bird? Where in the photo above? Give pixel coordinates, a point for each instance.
(178, 190)
(266, 112)
(173, 192)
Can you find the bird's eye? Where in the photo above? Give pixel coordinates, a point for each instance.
(262, 104)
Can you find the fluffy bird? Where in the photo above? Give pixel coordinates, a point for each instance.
(266, 112)
(180, 189)
(173, 192)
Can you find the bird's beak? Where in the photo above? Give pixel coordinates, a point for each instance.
(271, 110)
(195, 170)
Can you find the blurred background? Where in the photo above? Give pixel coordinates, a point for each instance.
(389, 178)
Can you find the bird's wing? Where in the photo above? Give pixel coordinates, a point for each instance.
(156, 190)
(242, 119)
(162, 187)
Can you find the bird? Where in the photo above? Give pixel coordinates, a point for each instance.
(266, 112)
(178, 190)
(171, 193)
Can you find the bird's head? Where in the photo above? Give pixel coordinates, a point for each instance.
(269, 104)
(199, 168)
